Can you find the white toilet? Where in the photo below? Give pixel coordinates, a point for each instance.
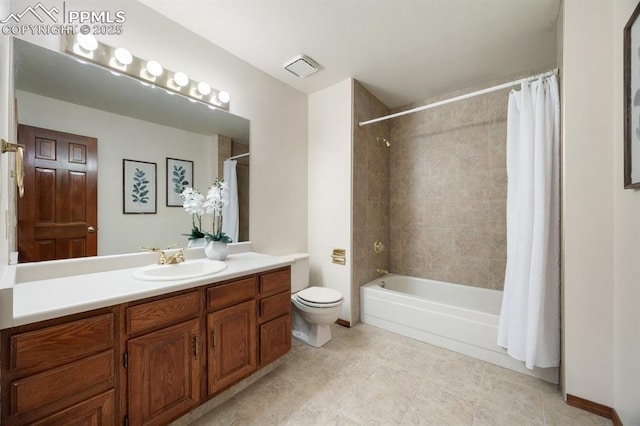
(314, 308)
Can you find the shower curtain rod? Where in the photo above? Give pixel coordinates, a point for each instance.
(246, 154)
(459, 98)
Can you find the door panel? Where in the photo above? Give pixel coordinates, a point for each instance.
(61, 196)
(231, 345)
(164, 374)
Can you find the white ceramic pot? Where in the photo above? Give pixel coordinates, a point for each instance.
(216, 250)
(198, 242)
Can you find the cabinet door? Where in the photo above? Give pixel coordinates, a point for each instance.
(231, 345)
(275, 339)
(164, 379)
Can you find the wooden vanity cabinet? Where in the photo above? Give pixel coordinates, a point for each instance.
(231, 333)
(62, 373)
(145, 362)
(274, 315)
(163, 359)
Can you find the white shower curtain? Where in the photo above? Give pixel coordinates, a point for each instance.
(230, 220)
(530, 317)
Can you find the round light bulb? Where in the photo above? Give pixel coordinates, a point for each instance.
(154, 68)
(123, 56)
(87, 42)
(204, 88)
(181, 79)
(224, 96)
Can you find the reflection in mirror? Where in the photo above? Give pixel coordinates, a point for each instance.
(62, 102)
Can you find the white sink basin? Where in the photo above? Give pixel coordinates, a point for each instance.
(181, 271)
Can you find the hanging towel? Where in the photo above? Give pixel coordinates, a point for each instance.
(529, 326)
(230, 220)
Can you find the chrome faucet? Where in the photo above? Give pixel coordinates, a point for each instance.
(173, 259)
(382, 271)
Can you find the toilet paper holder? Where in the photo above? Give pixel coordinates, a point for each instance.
(339, 256)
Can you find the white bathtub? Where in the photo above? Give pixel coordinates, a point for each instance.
(457, 317)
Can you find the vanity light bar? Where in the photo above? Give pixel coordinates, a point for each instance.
(119, 60)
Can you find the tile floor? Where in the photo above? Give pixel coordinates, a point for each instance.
(368, 376)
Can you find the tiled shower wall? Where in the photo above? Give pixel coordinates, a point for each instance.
(448, 188)
(370, 192)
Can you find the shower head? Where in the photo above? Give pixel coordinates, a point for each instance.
(384, 140)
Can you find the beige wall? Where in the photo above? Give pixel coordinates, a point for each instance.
(588, 202)
(600, 219)
(370, 192)
(6, 199)
(449, 189)
(277, 112)
(626, 260)
(5, 125)
(330, 193)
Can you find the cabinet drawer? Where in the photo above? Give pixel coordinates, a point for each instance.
(231, 293)
(56, 345)
(275, 282)
(163, 312)
(62, 383)
(275, 339)
(274, 306)
(98, 410)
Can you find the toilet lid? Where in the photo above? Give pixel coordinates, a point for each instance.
(319, 295)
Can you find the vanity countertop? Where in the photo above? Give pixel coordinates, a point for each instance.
(62, 294)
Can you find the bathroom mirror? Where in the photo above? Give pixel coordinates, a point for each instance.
(134, 121)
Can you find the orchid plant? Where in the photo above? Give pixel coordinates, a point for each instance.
(197, 205)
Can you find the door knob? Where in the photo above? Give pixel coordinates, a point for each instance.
(91, 229)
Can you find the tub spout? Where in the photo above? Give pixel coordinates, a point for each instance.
(382, 271)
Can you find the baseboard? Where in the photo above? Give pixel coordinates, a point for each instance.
(343, 323)
(615, 418)
(595, 408)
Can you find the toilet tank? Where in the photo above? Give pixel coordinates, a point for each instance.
(299, 272)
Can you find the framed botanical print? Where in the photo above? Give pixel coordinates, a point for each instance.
(139, 187)
(179, 176)
(632, 101)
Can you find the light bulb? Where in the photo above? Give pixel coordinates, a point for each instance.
(87, 41)
(123, 56)
(204, 88)
(181, 79)
(154, 68)
(224, 96)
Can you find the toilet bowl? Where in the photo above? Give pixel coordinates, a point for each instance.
(314, 308)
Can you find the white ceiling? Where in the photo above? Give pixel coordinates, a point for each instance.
(402, 50)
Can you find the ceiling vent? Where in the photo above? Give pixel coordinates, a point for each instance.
(301, 66)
